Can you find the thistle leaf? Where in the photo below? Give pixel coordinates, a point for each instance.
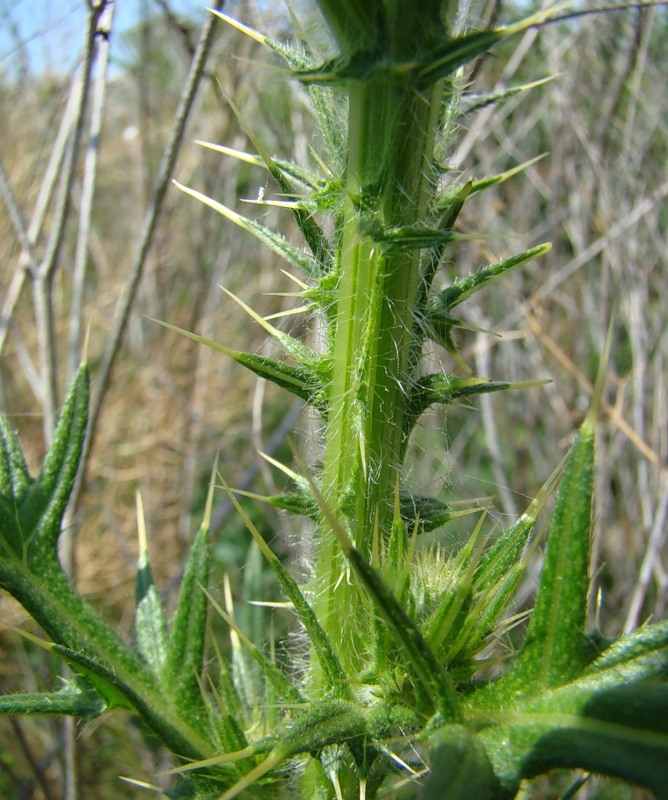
(274, 241)
(331, 667)
(150, 624)
(293, 347)
(640, 655)
(494, 180)
(508, 548)
(476, 102)
(290, 170)
(417, 511)
(44, 504)
(302, 381)
(459, 768)
(75, 699)
(14, 476)
(463, 288)
(130, 694)
(286, 691)
(311, 231)
(621, 731)
(185, 647)
(555, 649)
(443, 388)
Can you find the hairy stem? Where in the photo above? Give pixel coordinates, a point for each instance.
(391, 132)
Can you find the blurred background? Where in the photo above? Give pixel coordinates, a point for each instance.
(100, 111)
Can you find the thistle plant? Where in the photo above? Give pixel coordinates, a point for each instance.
(405, 688)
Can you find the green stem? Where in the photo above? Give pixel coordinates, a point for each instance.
(391, 141)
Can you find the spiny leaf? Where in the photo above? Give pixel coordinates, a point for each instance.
(311, 231)
(290, 170)
(156, 711)
(447, 622)
(293, 347)
(329, 722)
(456, 52)
(323, 101)
(302, 381)
(421, 73)
(62, 456)
(75, 699)
(555, 648)
(508, 548)
(621, 732)
(185, 648)
(274, 241)
(114, 693)
(443, 388)
(288, 693)
(11, 541)
(331, 667)
(14, 476)
(494, 180)
(476, 102)
(640, 655)
(490, 607)
(44, 503)
(449, 208)
(431, 677)
(459, 768)
(462, 288)
(409, 237)
(150, 622)
(425, 513)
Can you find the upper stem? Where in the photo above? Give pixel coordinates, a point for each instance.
(391, 132)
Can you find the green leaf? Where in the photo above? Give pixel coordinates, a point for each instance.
(14, 476)
(427, 513)
(495, 180)
(185, 653)
(311, 231)
(68, 436)
(422, 72)
(289, 169)
(489, 608)
(11, 540)
(443, 388)
(150, 622)
(274, 241)
(43, 507)
(286, 691)
(110, 687)
(555, 649)
(448, 620)
(463, 288)
(408, 237)
(640, 655)
(504, 554)
(75, 699)
(450, 208)
(431, 677)
(453, 53)
(476, 102)
(302, 381)
(620, 732)
(459, 768)
(331, 667)
(507, 550)
(121, 691)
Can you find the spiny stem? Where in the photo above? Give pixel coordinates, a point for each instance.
(391, 142)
